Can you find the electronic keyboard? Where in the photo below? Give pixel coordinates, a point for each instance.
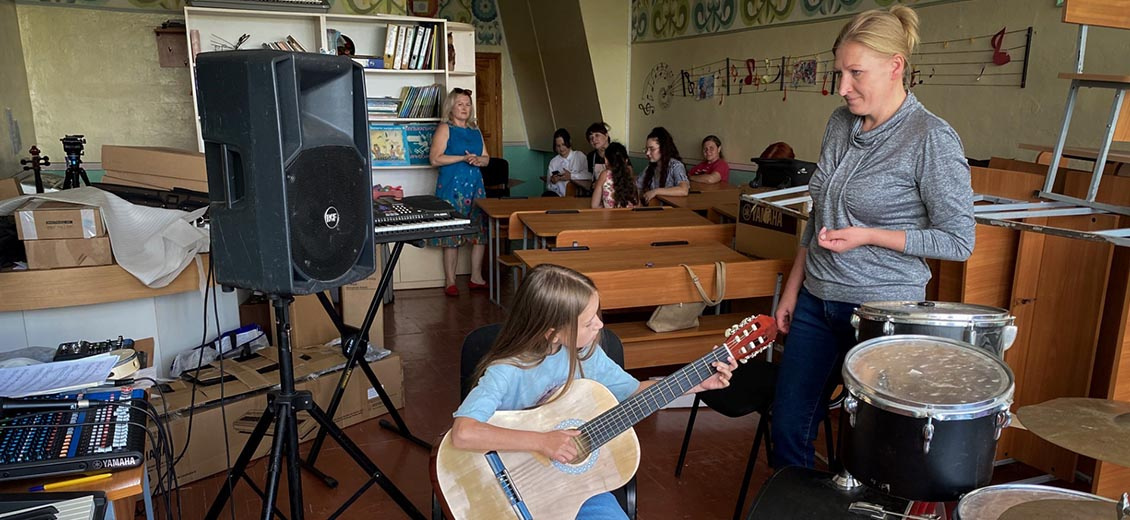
(418, 217)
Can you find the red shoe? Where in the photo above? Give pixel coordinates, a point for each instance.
(451, 290)
(478, 286)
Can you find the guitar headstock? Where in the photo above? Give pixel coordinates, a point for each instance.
(751, 336)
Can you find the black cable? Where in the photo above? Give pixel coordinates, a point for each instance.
(168, 479)
(223, 399)
(199, 362)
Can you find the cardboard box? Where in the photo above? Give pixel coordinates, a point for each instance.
(41, 219)
(767, 232)
(68, 252)
(9, 188)
(155, 160)
(309, 323)
(355, 299)
(153, 181)
(317, 369)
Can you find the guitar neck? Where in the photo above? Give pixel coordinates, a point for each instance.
(615, 421)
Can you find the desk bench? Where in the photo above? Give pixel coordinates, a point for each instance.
(644, 347)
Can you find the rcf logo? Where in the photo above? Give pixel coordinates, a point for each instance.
(331, 217)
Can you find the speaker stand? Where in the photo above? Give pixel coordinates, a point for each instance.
(355, 342)
(283, 406)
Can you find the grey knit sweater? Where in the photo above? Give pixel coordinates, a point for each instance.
(908, 173)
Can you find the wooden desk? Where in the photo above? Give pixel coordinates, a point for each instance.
(723, 213)
(546, 226)
(1083, 154)
(122, 490)
(703, 201)
(706, 188)
(498, 211)
(642, 276)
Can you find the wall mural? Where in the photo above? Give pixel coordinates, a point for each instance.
(483, 14)
(658, 20)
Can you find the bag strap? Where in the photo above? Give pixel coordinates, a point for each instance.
(719, 283)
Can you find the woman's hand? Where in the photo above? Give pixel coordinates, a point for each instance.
(647, 196)
(559, 445)
(720, 379)
(846, 239)
(475, 160)
(784, 314)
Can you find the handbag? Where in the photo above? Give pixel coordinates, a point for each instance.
(679, 316)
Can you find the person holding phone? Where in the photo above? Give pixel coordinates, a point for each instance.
(567, 165)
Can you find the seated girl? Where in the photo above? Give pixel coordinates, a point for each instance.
(549, 339)
(713, 168)
(615, 187)
(665, 173)
(567, 165)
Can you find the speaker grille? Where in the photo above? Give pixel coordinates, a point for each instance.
(328, 194)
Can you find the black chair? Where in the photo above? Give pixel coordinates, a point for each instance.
(496, 178)
(751, 389)
(478, 342)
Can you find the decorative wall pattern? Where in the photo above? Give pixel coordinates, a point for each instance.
(483, 14)
(658, 20)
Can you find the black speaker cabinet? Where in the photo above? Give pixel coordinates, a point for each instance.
(287, 148)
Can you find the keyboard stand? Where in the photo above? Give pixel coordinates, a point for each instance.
(354, 344)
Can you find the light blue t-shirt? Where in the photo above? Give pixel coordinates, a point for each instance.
(508, 387)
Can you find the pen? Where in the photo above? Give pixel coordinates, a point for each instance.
(72, 482)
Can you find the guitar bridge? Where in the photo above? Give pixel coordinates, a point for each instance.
(502, 476)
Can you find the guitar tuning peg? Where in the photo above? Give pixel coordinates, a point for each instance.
(743, 360)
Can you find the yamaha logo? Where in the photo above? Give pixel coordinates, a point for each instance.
(331, 217)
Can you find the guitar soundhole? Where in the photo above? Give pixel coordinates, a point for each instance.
(584, 465)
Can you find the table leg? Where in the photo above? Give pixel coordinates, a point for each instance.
(123, 508)
(492, 258)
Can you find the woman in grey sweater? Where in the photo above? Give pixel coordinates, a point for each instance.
(891, 189)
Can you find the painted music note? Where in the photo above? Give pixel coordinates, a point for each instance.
(750, 66)
(999, 57)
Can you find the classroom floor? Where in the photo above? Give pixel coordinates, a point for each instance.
(427, 329)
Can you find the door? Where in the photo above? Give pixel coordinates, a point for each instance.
(488, 99)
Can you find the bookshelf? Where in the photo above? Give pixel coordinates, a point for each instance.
(207, 29)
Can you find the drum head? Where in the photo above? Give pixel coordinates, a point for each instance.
(928, 376)
(930, 311)
(992, 503)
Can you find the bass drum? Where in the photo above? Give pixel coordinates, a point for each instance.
(923, 415)
(990, 503)
(988, 328)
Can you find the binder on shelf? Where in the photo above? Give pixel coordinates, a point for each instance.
(398, 54)
(390, 44)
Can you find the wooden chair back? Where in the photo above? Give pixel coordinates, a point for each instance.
(1103, 13)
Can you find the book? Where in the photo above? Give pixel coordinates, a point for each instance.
(388, 145)
(418, 137)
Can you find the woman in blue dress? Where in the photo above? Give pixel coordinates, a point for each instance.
(458, 152)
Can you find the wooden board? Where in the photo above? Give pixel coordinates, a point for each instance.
(1104, 13)
(593, 238)
(502, 208)
(549, 225)
(31, 290)
(704, 200)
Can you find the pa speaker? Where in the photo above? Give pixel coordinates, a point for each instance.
(287, 150)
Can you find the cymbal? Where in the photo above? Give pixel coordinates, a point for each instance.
(1061, 510)
(1096, 428)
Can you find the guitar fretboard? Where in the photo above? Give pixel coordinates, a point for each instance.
(615, 421)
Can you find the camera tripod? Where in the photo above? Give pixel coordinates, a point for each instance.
(76, 175)
(283, 406)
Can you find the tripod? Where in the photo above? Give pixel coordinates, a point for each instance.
(283, 406)
(76, 174)
(353, 346)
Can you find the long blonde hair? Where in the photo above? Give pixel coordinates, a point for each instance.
(891, 32)
(551, 297)
(449, 105)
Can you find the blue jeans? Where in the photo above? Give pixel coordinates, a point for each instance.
(820, 334)
(601, 507)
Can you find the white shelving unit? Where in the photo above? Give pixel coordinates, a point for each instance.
(417, 267)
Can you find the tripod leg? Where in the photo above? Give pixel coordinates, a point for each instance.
(400, 427)
(365, 463)
(275, 466)
(240, 468)
(293, 465)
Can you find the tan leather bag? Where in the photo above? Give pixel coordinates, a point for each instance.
(679, 316)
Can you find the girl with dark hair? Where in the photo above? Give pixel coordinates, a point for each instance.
(597, 136)
(713, 168)
(550, 338)
(665, 173)
(568, 164)
(616, 185)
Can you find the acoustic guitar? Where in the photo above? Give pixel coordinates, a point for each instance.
(523, 485)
